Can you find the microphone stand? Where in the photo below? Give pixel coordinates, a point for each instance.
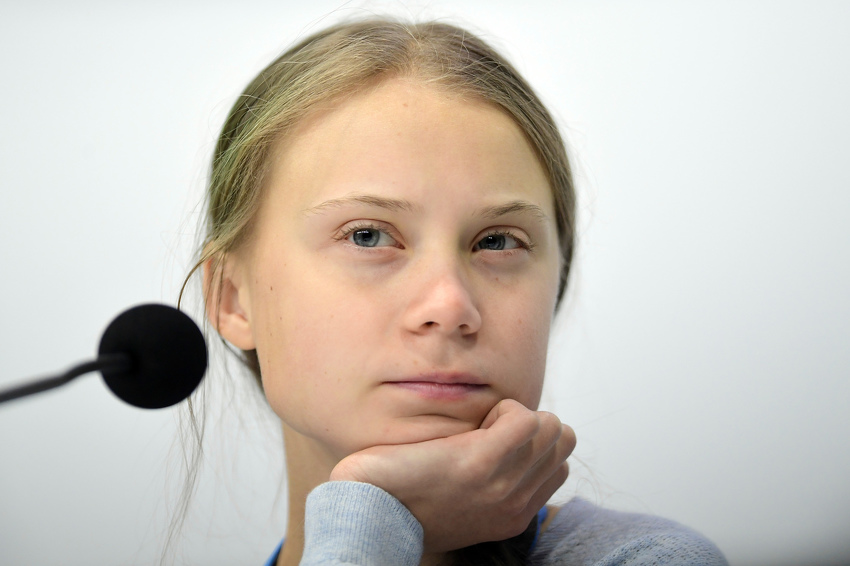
(117, 362)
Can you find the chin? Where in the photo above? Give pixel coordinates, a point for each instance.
(422, 428)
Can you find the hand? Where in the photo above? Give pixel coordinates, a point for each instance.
(482, 485)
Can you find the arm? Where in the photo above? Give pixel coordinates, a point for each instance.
(582, 533)
(358, 523)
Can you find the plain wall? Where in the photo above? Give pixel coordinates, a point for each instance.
(702, 355)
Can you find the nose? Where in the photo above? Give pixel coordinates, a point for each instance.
(442, 302)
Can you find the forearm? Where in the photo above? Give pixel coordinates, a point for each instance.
(359, 524)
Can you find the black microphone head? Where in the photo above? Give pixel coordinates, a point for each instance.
(168, 354)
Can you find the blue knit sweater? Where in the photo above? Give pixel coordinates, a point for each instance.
(350, 523)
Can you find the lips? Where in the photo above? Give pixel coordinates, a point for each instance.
(442, 386)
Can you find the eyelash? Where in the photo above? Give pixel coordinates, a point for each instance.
(522, 244)
(349, 230)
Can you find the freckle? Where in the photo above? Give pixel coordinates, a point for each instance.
(271, 288)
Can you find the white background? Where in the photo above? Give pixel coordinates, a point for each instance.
(702, 356)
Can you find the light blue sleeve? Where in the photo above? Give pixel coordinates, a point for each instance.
(583, 534)
(359, 524)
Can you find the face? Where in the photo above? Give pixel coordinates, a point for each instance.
(402, 272)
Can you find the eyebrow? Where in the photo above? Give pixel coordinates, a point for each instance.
(369, 200)
(523, 206)
(489, 213)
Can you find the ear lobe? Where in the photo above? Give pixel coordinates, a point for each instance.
(227, 302)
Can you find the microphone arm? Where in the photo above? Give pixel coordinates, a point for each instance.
(117, 362)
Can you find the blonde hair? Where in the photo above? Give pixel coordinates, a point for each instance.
(342, 60)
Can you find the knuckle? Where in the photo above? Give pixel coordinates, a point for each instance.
(474, 470)
(499, 491)
(530, 422)
(566, 441)
(550, 420)
(547, 434)
(570, 435)
(550, 425)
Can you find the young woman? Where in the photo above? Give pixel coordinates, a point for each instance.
(390, 230)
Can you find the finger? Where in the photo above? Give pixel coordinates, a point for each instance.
(567, 441)
(549, 430)
(502, 407)
(528, 504)
(547, 463)
(552, 445)
(521, 438)
(561, 449)
(548, 488)
(514, 426)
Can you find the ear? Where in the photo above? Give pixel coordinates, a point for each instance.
(228, 302)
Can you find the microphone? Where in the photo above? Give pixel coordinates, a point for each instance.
(151, 356)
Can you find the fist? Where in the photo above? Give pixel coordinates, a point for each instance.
(478, 486)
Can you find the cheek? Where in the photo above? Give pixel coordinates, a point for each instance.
(521, 341)
(310, 334)
(532, 342)
(535, 330)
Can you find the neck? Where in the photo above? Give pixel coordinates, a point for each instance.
(308, 466)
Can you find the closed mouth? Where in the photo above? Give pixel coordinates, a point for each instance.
(443, 378)
(438, 389)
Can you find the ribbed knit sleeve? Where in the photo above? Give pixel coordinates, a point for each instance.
(582, 534)
(358, 523)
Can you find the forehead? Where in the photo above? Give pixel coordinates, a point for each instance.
(403, 136)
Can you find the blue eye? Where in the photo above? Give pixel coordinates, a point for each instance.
(492, 242)
(498, 242)
(369, 237)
